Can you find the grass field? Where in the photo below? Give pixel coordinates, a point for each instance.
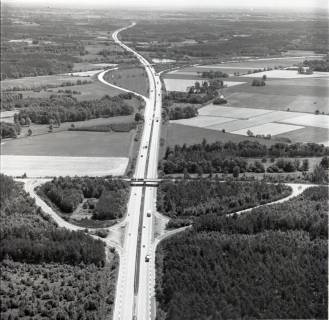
(180, 134)
(73, 144)
(309, 134)
(38, 129)
(134, 79)
(300, 95)
(89, 91)
(48, 166)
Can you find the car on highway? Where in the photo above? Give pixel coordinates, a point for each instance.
(148, 214)
(147, 258)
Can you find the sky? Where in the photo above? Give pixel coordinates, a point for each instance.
(289, 4)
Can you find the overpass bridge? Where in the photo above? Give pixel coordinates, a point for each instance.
(144, 182)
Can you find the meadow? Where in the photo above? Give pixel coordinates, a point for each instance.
(132, 78)
(176, 134)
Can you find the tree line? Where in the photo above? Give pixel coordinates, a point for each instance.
(213, 74)
(318, 65)
(224, 157)
(67, 108)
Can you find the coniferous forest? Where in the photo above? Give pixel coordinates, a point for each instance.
(185, 200)
(269, 263)
(46, 271)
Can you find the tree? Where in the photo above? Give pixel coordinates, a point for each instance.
(319, 174)
(236, 171)
(50, 129)
(29, 132)
(138, 117)
(325, 163)
(28, 121)
(264, 77)
(57, 120)
(250, 133)
(305, 165)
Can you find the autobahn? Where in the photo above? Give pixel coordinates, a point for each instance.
(135, 285)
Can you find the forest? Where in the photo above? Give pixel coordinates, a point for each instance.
(46, 271)
(27, 235)
(59, 109)
(188, 199)
(270, 263)
(224, 157)
(67, 193)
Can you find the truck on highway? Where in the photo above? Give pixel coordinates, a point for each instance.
(148, 214)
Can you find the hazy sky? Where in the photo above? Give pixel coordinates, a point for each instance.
(293, 4)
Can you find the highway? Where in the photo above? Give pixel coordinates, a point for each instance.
(136, 277)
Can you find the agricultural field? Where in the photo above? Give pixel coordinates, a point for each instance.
(258, 121)
(132, 78)
(289, 106)
(53, 166)
(72, 144)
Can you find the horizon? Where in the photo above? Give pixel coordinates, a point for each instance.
(177, 5)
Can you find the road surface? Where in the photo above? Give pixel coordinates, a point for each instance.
(136, 277)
